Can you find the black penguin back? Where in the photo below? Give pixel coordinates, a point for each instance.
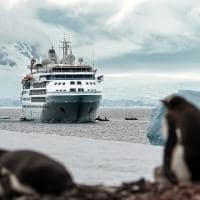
(170, 144)
(39, 172)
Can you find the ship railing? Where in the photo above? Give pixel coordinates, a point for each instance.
(75, 92)
(63, 70)
(68, 77)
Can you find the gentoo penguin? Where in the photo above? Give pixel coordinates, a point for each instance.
(32, 171)
(182, 146)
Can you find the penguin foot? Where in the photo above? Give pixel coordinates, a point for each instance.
(160, 178)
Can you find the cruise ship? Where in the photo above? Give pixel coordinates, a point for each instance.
(63, 90)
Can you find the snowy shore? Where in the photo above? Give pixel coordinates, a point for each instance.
(90, 161)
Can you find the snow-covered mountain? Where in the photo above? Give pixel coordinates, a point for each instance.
(8, 102)
(14, 54)
(14, 58)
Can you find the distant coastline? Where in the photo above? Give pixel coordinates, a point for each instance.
(10, 107)
(9, 102)
(106, 103)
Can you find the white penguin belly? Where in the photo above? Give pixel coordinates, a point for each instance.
(178, 164)
(165, 129)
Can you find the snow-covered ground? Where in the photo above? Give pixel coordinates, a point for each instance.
(90, 161)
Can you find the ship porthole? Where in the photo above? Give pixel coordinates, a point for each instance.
(62, 110)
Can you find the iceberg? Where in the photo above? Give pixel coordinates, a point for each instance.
(154, 131)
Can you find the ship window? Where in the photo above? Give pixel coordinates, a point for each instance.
(72, 82)
(64, 90)
(55, 83)
(78, 82)
(72, 89)
(90, 83)
(26, 99)
(39, 85)
(57, 90)
(94, 83)
(64, 83)
(38, 99)
(86, 83)
(37, 92)
(80, 90)
(60, 90)
(59, 83)
(60, 77)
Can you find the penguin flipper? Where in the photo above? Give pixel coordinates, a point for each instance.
(168, 150)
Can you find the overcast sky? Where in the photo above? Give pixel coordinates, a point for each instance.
(126, 35)
(123, 32)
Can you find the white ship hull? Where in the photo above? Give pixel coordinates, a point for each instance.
(64, 108)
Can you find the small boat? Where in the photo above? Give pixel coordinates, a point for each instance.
(5, 118)
(102, 119)
(131, 118)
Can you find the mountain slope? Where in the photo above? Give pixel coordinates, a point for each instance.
(14, 57)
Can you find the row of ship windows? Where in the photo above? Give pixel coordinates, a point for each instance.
(33, 106)
(68, 77)
(74, 90)
(37, 92)
(43, 99)
(43, 92)
(34, 99)
(73, 83)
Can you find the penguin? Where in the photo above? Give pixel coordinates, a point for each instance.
(171, 140)
(33, 172)
(181, 130)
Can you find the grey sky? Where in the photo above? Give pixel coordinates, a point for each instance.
(123, 32)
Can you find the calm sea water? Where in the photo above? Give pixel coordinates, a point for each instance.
(117, 129)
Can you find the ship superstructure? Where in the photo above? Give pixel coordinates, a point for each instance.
(61, 90)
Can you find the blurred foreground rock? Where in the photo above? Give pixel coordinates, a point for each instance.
(139, 190)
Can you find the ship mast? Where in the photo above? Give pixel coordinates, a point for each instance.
(65, 48)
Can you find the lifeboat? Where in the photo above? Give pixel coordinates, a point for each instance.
(27, 78)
